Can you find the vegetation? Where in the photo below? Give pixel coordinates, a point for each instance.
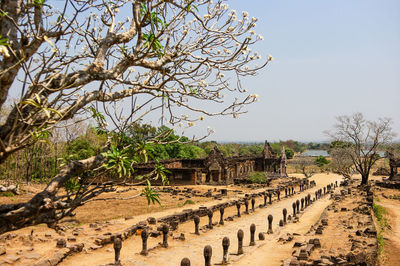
(358, 140)
(114, 62)
(380, 213)
(257, 177)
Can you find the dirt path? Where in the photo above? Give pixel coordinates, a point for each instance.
(391, 249)
(192, 247)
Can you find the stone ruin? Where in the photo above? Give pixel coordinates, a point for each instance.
(216, 169)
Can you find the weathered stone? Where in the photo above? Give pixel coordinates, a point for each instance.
(284, 212)
(185, 262)
(221, 211)
(252, 232)
(196, 220)
(270, 219)
(151, 220)
(207, 255)
(225, 246)
(144, 234)
(261, 236)
(240, 235)
(61, 243)
(165, 230)
(117, 250)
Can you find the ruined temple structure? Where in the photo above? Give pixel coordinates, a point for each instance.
(394, 163)
(218, 169)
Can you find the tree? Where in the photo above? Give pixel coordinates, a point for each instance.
(100, 59)
(321, 161)
(362, 139)
(341, 161)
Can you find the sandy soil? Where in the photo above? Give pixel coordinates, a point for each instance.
(391, 250)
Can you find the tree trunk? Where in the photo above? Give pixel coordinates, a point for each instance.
(364, 179)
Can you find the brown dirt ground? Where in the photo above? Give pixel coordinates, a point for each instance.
(391, 249)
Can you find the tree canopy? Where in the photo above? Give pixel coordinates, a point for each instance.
(116, 62)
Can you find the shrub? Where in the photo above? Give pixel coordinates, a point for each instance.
(257, 177)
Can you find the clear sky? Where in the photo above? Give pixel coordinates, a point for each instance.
(331, 58)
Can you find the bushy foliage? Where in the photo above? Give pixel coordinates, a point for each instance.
(257, 177)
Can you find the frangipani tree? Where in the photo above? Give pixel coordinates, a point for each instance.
(98, 58)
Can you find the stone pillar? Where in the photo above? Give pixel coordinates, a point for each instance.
(144, 235)
(284, 212)
(279, 194)
(298, 206)
(196, 220)
(240, 241)
(302, 204)
(265, 198)
(207, 255)
(252, 231)
(285, 192)
(165, 230)
(117, 249)
(270, 219)
(221, 211)
(270, 198)
(253, 202)
(225, 246)
(246, 204)
(294, 209)
(185, 262)
(238, 208)
(210, 215)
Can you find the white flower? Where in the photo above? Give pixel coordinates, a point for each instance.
(233, 11)
(207, 16)
(245, 13)
(4, 51)
(259, 57)
(234, 17)
(221, 75)
(246, 67)
(190, 124)
(254, 19)
(261, 37)
(255, 96)
(201, 118)
(252, 32)
(270, 58)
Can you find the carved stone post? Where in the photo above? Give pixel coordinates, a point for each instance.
(246, 204)
(292, 190)
(252, 232)
(240, 241)
(284, 212)
(144, 235)
(302, 204)
(294, 209)
(207, 255)
(285, 192)
(196, 220)
(265, 199)
(298, 206)
(238, 208)
(261, 236)
(270, 219)
(225, 246)
(279, 194)
(210, 215)
(270, 198)
(185, 262)
(253, 202)
(165, 230)
(117, 249)
(221, 212)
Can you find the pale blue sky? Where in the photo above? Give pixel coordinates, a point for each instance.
(331, 58)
